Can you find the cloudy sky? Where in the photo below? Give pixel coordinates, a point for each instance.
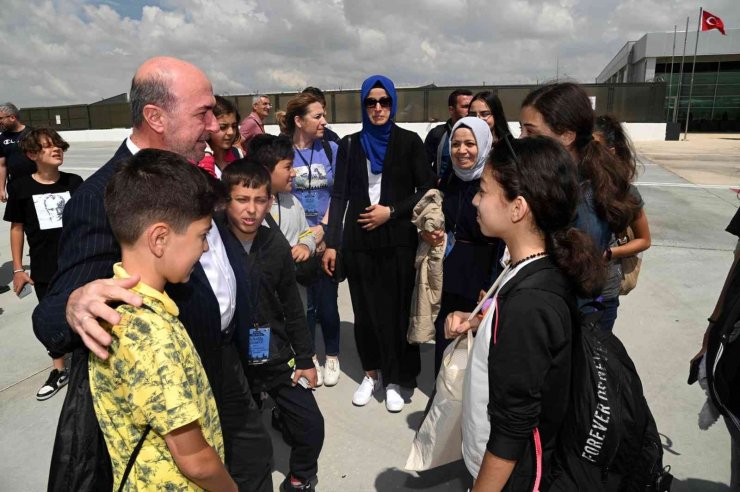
(80, 51)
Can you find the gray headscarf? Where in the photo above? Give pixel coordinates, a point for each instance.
(484, 141)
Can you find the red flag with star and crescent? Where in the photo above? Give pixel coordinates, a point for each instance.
(710, 21)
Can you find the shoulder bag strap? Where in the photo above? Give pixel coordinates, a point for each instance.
(132, 459)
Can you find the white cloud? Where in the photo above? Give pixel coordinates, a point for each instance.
(78, 51)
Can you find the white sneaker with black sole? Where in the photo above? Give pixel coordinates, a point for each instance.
(51, 387)
(364, 393)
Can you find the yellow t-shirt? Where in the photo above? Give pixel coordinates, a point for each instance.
(153, 376)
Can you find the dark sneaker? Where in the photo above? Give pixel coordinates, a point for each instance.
(288, 486)
(56, 380)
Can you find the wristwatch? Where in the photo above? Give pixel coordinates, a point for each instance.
(393, 211)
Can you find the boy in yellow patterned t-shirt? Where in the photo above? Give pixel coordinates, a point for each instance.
(153, 386)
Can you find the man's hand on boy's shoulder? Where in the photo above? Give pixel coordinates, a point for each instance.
(300, 253)
(89, 302)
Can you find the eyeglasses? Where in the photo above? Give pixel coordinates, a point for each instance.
(385, 102)
(480, 114)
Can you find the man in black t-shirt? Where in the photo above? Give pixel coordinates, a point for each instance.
(13, 162)
(35, 206)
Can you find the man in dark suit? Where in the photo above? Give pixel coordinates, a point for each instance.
(172, 108)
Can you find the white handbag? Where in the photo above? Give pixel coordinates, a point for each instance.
(439, 438)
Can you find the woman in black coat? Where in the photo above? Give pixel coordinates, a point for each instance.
(381, 174)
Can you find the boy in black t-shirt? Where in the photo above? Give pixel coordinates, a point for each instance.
(35, 208)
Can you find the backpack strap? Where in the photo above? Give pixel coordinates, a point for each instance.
(137, 448)
(132, 459)
(328, 152)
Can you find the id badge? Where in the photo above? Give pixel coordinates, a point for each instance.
(311, 204)
(259, 344)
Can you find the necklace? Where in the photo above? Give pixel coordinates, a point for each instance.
(530, 257)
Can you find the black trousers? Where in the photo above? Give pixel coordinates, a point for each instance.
(303, 428)
(41, 288)
(247, 444)
(381, 282)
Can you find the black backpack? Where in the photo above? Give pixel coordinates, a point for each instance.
(609, 441)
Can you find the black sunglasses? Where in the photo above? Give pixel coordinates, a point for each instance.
(385, 102)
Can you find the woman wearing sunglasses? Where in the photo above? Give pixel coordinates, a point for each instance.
(516, 389)
(487, 106)
(381, 174)
(468, 265)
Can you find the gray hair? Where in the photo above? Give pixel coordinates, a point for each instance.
(257, 98)
(9, 108)
(150, 90)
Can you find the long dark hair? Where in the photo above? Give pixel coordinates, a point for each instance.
(541, 171)
(566, 107)
(500, 123)
(616, 138)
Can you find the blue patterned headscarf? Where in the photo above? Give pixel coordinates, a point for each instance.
(375, 138)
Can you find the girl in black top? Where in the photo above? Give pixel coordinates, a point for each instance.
(517, 383)
(381, 174)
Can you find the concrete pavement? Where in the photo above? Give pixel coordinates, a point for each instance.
(661, 323)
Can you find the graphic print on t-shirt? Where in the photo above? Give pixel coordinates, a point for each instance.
(318, 177)
(49, 208)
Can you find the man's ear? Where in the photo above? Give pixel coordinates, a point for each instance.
(32, 156)
(154, 117)
(157, 236)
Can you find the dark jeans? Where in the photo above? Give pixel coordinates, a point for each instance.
(246, 441)
(303, 428)
(321, 300)
(610, 313)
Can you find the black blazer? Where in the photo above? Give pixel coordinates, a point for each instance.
(406, 177)
(87, 252)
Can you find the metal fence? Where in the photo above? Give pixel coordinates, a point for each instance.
(632, 103)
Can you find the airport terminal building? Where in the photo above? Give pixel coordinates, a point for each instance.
(715, 100)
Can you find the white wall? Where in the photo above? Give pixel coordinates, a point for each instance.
(638, 132)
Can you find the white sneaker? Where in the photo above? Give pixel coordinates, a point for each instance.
(393, 399)
(365, 391)
(331, 371)
(319, 374)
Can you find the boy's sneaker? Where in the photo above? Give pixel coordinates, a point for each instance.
(288, 485)
(393, 399)
(365, 391)
(331, 371)
(56, 380)
(319, 375)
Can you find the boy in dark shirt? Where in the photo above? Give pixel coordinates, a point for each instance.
(276, 347)
(35, 206)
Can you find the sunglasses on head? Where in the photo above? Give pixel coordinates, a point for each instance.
(385, 102)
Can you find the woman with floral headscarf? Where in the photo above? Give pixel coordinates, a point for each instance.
(381, 174)
(468, 265)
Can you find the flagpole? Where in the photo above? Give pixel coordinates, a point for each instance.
(693, 69)
(680, 77)
(670, 84)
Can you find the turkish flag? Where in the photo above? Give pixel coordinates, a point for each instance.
(711, 21)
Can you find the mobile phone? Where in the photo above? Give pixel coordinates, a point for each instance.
(303, 381)
(27, 289)
(694, 370)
